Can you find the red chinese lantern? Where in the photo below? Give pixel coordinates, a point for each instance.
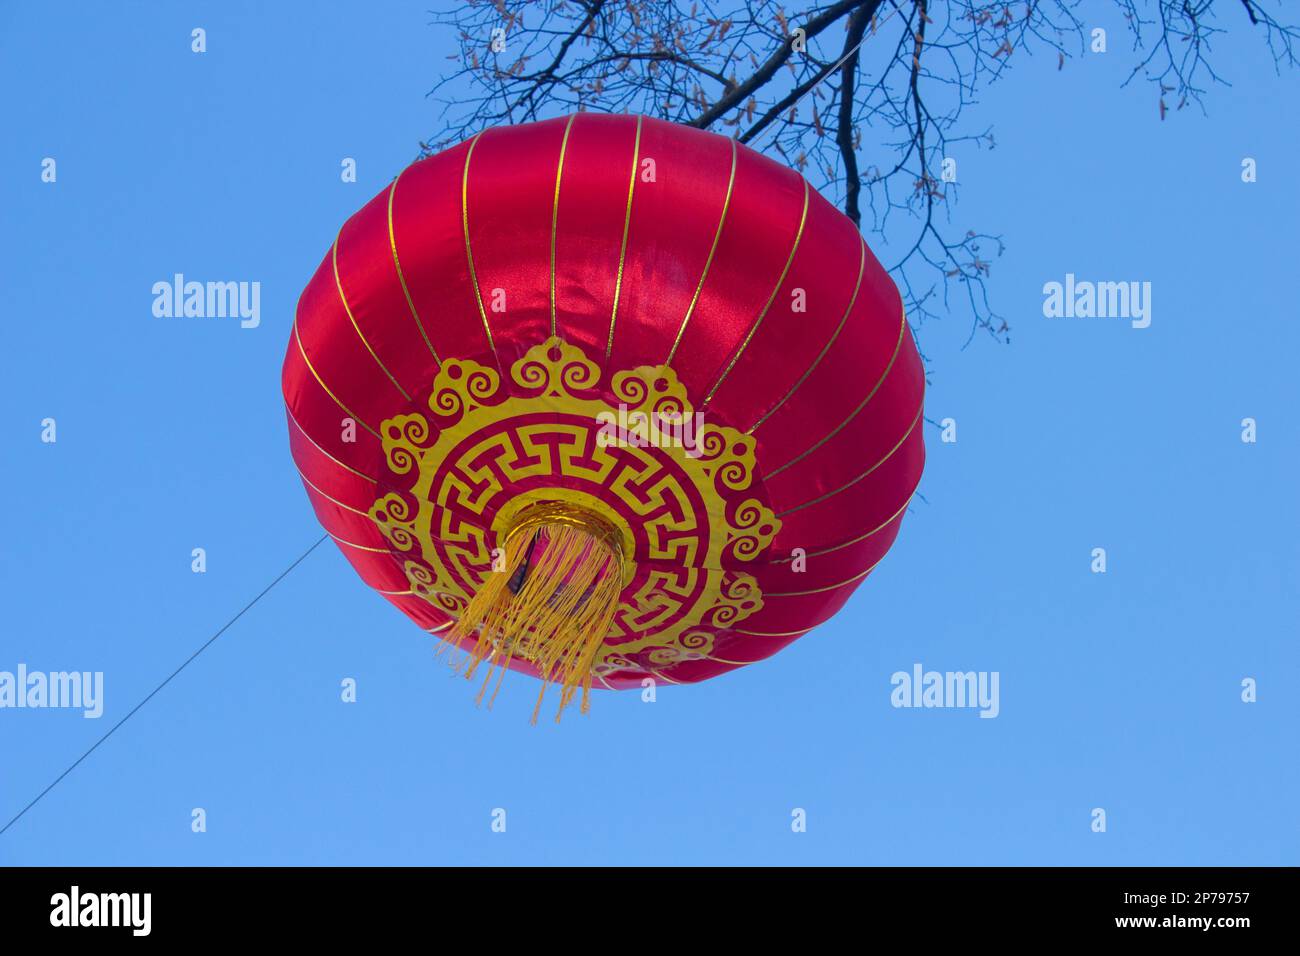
(604, 398)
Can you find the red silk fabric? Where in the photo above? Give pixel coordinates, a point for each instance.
(835, 391)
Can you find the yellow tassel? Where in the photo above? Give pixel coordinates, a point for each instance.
(552, 604)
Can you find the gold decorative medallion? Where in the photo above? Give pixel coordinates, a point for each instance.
(676, 499)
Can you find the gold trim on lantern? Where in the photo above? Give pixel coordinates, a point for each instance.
(563, 513)
(622, 252)
(555, 210)
(902, 327)
(831, 494)
(320, 381)
(392, 242)
(315, 444)
(469, 252)
(798, 237)
(853, 300)
(722, 221)
(338, 284)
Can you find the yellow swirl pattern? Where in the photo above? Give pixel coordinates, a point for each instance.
(687, 511)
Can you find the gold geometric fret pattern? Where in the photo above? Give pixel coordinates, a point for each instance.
(688, 509)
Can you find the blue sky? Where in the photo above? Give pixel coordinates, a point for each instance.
(1118, 690)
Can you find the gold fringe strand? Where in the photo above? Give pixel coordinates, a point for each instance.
(561, 612)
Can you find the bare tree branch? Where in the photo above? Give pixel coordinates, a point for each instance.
(858, 23)
(872, 117)
(783, 53)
